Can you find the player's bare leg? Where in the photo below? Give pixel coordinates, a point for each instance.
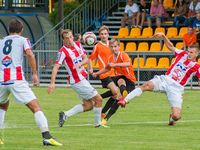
(174, 116)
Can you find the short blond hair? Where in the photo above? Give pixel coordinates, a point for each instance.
(103, 28)
(113, 40)
(65, 31)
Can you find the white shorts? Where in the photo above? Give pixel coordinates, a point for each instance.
(84, 90)
(173, 90)
(21, 91)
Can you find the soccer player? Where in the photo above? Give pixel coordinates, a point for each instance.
(74, 57)
(124, 74)
(13, 48)
(173, 82)
(101, 53)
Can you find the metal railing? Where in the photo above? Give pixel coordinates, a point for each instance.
(79, 21)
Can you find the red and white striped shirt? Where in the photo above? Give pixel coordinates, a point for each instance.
(71, 56)
(11, 57)
(183, 69)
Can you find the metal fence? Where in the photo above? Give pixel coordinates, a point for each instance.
(83, 18)
(79, 21)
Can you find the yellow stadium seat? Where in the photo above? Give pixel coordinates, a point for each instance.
(147, 33)
(171, 32)
(172, 60)
(143, 47)
(159, 29)
(121, 46)
(182, 31)
(135, 33)
(165, 49)
(151, 62)
(122, 33)
(179, 45)
(163, 62)
(198, 61)
(130, 47)
(155, 47)
(138, 62)
(168, 4)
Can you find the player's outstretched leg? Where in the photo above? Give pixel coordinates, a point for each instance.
(62, 118)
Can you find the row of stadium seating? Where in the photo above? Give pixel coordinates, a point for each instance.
(171, 32)
(150, 63)
(145, 47)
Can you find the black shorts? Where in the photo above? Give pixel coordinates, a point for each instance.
(106, 81)
(130, 85)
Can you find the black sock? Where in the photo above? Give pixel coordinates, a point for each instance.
(112, 110)
(108, 104)
(122, 88)
(107, 94)
(46, 135)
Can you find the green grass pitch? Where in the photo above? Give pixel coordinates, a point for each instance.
(142, 125)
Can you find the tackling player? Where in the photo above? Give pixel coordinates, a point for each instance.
(173, 82)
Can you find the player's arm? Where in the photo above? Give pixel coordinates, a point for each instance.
(104, 70)
(32, 63)
(84, 61)
(124, 64)
(168, 43)
(51, 86)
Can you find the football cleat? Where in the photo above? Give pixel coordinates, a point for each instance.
(124, 93)
(171, 122)
(51, 142)
(62, 118)
(121, 102)
(104, 122)
(101, 126)
(1, 141)
(103, 115)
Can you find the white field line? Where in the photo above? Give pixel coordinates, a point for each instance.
(22, 126)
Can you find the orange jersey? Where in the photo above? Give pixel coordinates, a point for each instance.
(190, 39)
(102, 52)
(128, 72)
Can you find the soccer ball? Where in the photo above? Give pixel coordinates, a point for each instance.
(89, 38)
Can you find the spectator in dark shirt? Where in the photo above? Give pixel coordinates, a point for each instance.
(196, 23)
(144, 11)
(180, 13)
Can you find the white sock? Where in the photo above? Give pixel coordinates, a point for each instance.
(97, 115)
(133, 94)
(75, 110)
(41, 121)
(2, 117)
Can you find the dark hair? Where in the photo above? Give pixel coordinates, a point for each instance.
(178, 3)
(15, 26)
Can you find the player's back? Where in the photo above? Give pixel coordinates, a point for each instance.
(11, 56)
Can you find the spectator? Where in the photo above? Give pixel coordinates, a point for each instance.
(196, 23)
(144, 11)
(157, 13)
(130, 13)
(189, 38)
(194, 7)
(180, 13)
